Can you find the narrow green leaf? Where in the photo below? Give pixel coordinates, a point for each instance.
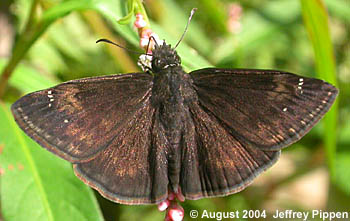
(62, 9)
(316, 23)
(112, 11)
(35, 184)
(127, 18)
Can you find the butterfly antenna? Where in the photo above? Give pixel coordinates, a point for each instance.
(188, 22)
(113, 43)
(149, 43)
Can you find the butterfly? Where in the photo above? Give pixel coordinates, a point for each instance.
(207, 133)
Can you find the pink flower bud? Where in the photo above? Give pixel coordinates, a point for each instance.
(234, 14)
(163, 205)
(176, 212)
(179, 196)
(140, 22)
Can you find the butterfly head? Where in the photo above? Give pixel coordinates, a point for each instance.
(164, 57)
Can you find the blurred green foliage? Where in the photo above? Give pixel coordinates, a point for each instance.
(54, 41)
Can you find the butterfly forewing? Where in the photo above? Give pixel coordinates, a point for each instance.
(79, 118)
(265, 108)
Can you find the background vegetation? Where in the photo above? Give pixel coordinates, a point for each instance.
(44, 42)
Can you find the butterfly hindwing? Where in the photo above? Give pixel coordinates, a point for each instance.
(133, 168)
(265, 108)
(215, 163)
(79, 118)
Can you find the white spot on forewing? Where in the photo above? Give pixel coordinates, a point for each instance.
(279, 137)
(292, 130)
(66, 121)
(299, 87)
(285, 109)
(301, 83)
(49, 95)
(30, 124)
(59, 141)
(302, 122)
(301, 79)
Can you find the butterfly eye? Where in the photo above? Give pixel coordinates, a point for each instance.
(156, 64)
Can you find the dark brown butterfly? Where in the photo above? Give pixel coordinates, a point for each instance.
(207, 133)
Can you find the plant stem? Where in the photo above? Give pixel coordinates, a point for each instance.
(20, 49)
(316, 22)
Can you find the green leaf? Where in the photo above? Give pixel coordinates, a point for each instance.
(35, 184)
(255, 33)
(342, 164)
(27, 79)
(276, 10)
(62, 9)
(127, 18)
(339, 8)
(316, 23)
(112, 11)
(342, 171)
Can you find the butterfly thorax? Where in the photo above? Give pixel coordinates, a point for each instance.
(172, 90)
